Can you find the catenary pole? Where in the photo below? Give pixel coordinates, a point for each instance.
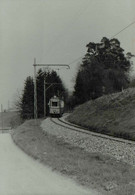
(44, 96)
(2, 115)
(35, 91)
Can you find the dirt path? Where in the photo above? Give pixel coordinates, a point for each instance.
(21, 175)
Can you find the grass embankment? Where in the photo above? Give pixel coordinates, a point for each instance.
(111, 114)
(92, 170)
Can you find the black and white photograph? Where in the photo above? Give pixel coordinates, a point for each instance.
(67, 97)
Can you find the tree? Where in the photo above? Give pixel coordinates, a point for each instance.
(88, 82)
(17, 103)
(27, 100)
(104, 70)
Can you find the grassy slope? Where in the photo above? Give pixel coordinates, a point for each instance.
(111, 114)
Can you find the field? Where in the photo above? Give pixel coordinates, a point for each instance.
(9, 119)
(111, 114)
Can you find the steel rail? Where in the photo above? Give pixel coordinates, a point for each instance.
(88, 132)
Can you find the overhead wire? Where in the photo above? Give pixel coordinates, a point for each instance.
(110, 38)
(123, 29)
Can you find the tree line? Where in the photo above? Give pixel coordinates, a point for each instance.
(104, 69)
(26, 101)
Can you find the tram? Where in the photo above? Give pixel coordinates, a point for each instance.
(56, 106)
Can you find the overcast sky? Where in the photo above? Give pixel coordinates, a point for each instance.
(56, 31)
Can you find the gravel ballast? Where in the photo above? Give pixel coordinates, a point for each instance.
(92, 144)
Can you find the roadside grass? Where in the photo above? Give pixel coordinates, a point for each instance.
(110, 114)
(93, 170)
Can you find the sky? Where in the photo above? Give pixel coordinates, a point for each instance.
(56, 32)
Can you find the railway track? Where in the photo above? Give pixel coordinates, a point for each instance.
(73, 127)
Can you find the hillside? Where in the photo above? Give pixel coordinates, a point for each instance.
(110, 114)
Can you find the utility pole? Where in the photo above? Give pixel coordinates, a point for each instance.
(2, 115)
(35, 90)
(44, 97)
(35, 85)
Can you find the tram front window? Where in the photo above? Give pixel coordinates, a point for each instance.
(54, 104)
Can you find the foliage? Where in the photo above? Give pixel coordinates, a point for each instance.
(27, 106)
(54, 86)
(104, 70)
